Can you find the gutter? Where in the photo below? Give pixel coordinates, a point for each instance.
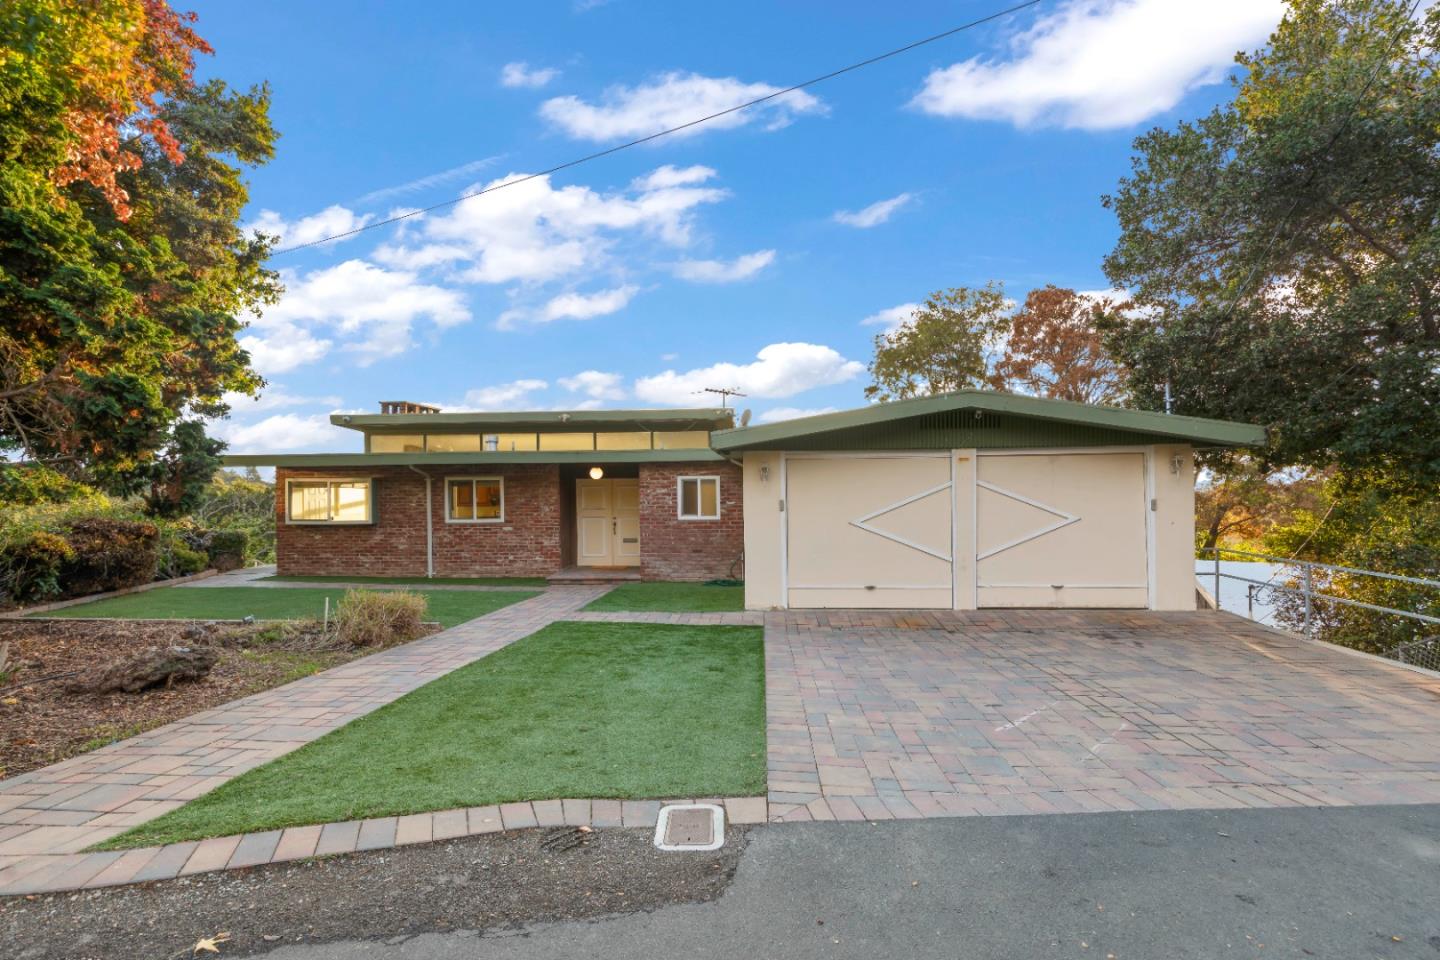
(429, 525)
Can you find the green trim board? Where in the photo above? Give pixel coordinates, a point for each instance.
(984, 419)
(360, 460)
(536, 421)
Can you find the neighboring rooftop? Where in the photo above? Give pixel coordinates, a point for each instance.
(433, 420)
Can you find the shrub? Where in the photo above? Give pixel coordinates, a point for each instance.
(25, 484)
(227, 549)
(110, 554)
(30, 566)
(379, 618)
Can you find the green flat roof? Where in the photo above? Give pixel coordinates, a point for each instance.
(888, 424)
(701, 418)
(464, 459)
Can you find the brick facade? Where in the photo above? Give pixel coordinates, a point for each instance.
(675, 549)
(528, 543)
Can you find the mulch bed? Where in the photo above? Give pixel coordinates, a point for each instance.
(41, 723)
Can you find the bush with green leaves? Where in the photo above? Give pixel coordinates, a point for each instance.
(227, 548)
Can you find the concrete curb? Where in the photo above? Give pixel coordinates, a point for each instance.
(29, 875)
(20, 612)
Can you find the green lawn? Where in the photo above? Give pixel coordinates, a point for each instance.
(446, 581)
(671, 597)
(448, 607)
(618, 710)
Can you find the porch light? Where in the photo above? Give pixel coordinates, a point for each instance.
(596, 473)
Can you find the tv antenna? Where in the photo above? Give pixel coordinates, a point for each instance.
(725, 394)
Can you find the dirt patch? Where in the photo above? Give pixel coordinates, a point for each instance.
(41, 723)
(478, 883)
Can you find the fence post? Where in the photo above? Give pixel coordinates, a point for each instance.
(1309, 586)
(1217, 579)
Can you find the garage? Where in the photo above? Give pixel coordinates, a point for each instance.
(1061, 530)
(870, 531)
(973, 500)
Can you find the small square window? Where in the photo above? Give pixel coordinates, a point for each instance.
(699, 498)
(475, 500)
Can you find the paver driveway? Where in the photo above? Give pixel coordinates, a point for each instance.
(901, 714)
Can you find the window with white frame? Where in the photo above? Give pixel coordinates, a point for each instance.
(699, 498)
(474, 499)
(329, 501)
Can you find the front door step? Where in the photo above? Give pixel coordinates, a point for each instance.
(595, 575)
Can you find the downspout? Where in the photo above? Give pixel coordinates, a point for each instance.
(429, 526)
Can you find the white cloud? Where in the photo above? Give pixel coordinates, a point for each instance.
(724, 271)
(367, 309)
(596, 384)
(276, 398)
(779, 370)
(535, 232)
(891, 317)
(571, 306)
(873, 215)
(521, 74)
(426, 182)
(672, 176)
(1102, 64)
(332, 220)
(670, 100)
(776, 414)
(514, 395)
(283, 350)
(283, 431)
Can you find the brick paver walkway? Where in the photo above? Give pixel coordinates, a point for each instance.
(879, 714)
(48, 814)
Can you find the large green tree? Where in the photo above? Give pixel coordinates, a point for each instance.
(1284, 250)
(947, 344)
(124, 275)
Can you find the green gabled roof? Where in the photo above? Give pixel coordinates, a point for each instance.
(462, 459)
(987, 420)
(702, 418)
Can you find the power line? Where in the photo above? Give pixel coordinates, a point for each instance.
(667, 132)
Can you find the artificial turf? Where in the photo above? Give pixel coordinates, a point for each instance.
(448, 607)
(671, 597)
(419, 581)
(594, 710)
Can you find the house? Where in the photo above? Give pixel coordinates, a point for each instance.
(966, 500)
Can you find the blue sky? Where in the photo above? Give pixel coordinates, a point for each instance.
(747, 254)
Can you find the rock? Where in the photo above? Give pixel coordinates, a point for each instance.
(149, 668)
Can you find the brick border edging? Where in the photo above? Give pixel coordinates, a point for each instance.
(112, 868)
(20, 612)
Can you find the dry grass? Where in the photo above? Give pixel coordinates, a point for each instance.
(380, 618)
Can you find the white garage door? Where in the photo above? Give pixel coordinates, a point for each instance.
(869, 531)
(1061, 530)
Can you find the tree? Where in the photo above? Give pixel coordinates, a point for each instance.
(1239, 500)
(1054, 349)
(123, 271)
(1285, 249)
(946, 345)
(178, 476)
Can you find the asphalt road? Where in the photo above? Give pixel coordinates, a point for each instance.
(1331, 883)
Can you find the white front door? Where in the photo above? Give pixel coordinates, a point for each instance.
(607, 517)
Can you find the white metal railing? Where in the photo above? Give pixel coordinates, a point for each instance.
(1303, 585)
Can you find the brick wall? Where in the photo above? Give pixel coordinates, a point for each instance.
(526, 544)
(675, 549)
